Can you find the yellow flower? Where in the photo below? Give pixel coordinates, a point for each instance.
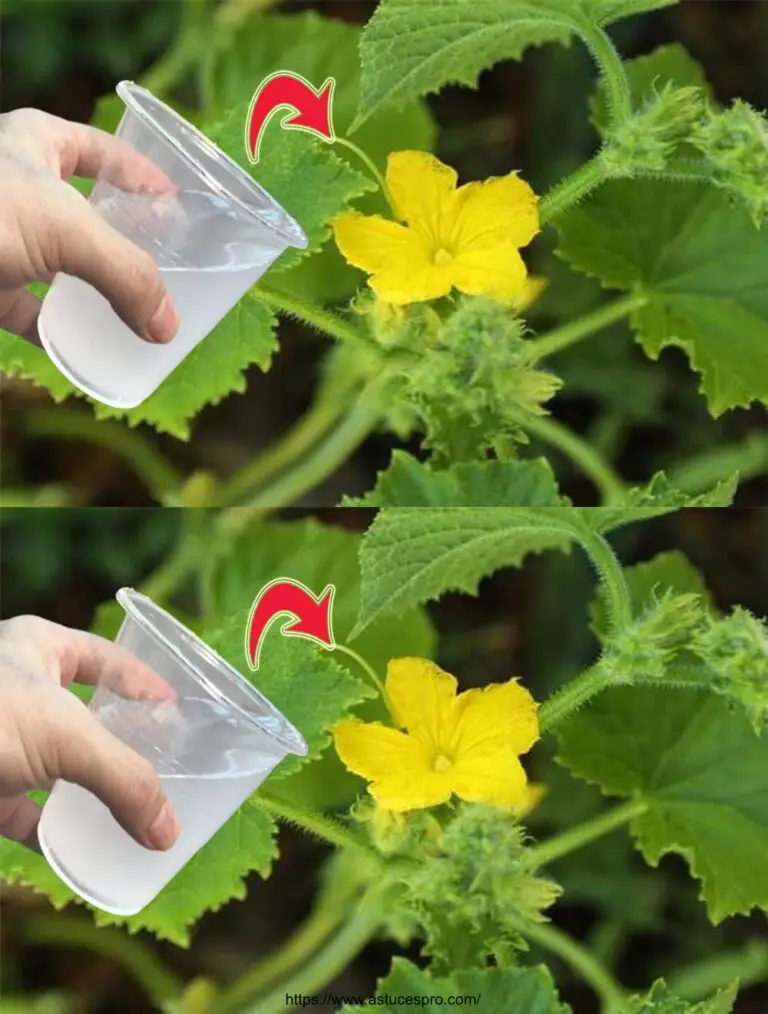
(466, 744)
(446, 236)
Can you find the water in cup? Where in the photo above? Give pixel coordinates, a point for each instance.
(208, 761)
(208, 256)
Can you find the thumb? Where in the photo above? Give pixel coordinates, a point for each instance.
(86, 246)
(89, 755)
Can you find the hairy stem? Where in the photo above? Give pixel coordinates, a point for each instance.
(341, 949)
(579, 452)
(314, 823)
(572, 189)
(607, 565)
(329, 455)
(313, 425)
(577, 837)
(374, 676)
(296, 951)
(309, 313)
(159, 476)
(571, 697)
(158, 981)
(611, 70)
(567, 335)
(554, 940)
(368, 162)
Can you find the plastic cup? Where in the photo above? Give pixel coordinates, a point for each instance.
(212, 747)
(212, 240)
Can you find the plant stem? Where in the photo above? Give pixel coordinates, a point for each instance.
(158, 981)
(749, 966)
(577, 837)
(608, 567)
(611, 70)
(295, 952)
(342, 948)
(572, 189)
(310, 821)
(375, 678)
(571, 697)
(190, 44)
(748, 457)
(562, 337)
(346, 143)
(157, 474)
(308, 313)
(581, 961)
(324, 460)
(299, 438)
(579, 452)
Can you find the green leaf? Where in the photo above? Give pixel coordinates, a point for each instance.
(410, 555)
(702, 264)
(316, 555)
(512, 990)
(48, 1003)
(647, 75)
(408, 50)
(659, 1000)
(409, 482)
(703, 774)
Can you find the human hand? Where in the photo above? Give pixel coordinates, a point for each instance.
(47, 226)
(47, 733)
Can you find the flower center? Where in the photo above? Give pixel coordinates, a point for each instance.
(442, 763)
(442, 256)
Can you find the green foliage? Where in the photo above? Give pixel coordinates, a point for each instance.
(700, 262)
(409, 555)
(659, 1000)
(471, 891)
(703, 775)
(412, 483)
(513, 990)
(407, 50)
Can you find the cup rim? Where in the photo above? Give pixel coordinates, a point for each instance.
(288, 735)
(134, 97)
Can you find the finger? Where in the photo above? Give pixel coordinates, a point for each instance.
(19, 818)
(93, 153)
(90, 659)
(84, 245)
(19, 310)
(85, 753)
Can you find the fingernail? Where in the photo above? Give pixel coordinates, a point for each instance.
(164, 322)
(165, 828)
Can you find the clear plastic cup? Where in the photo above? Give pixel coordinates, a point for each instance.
(212, 240)
(212, 747)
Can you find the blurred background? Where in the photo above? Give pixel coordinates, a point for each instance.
(65, 55)
(62, 564)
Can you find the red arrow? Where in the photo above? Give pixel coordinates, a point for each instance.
(312, 108)
(311, 616)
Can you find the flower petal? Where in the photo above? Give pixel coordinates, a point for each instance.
(412, 282)
(534, 286)
(534, 793)
(400, 792)
(373, 750)
(497, 271)
(499, 208)
(373, 243)
(422, 697)
(422, 190)
(497, 717)
(497, 778)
